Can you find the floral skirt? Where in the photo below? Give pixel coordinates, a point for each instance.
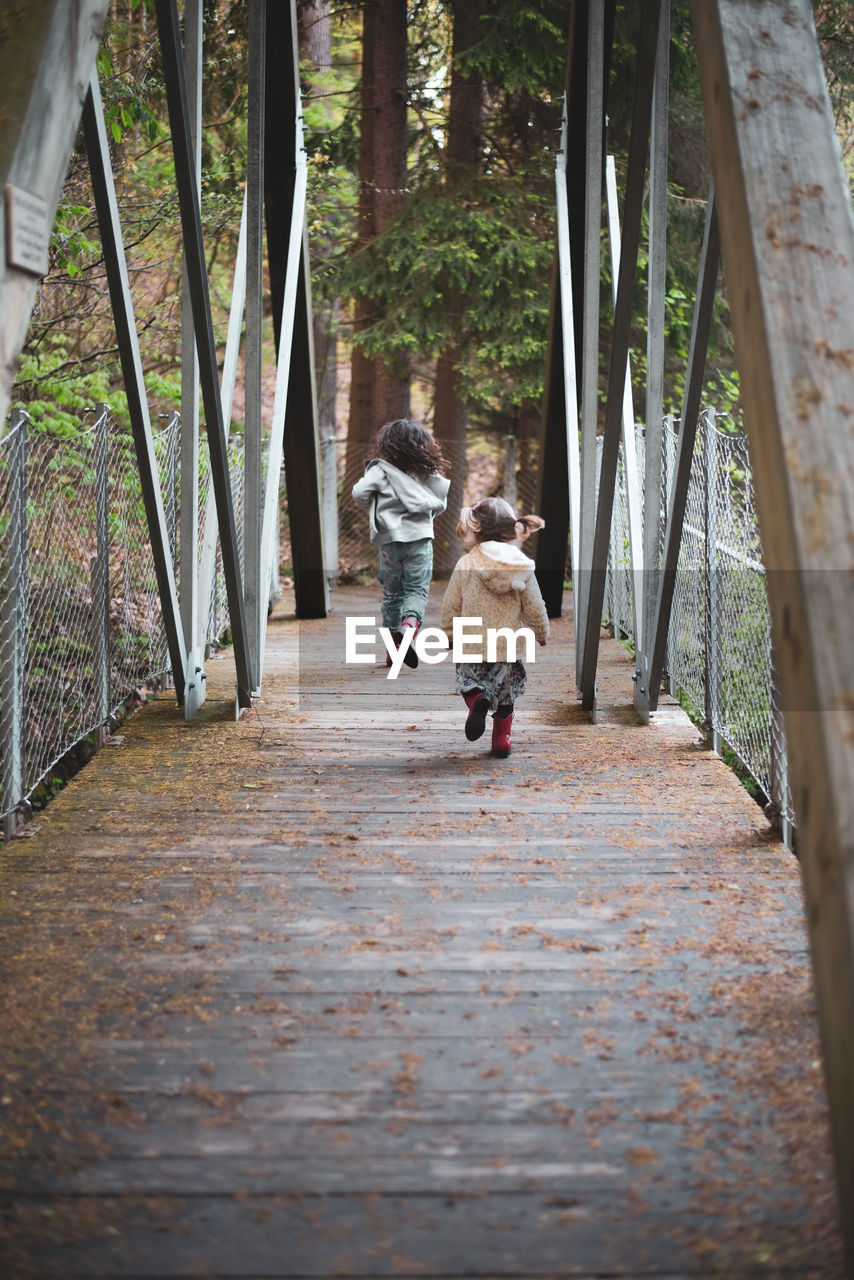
(502, 682)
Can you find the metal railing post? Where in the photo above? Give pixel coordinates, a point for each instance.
(13, 628)
(256, 577)
(713, 655)
(670, 460)
(100, 575)
(329, 452)
(170, 502)
(654, 459)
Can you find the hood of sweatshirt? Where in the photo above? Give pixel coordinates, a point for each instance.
(501, 566)
(417, 496)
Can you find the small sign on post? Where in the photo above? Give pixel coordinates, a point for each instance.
(27, 231)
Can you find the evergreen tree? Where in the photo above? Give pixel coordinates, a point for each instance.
(463, 151)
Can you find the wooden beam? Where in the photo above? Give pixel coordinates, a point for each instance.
(47, 51)
(788, 243)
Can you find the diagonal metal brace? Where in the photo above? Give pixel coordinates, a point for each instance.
(191, 223)
(120, 297)
(703, 310)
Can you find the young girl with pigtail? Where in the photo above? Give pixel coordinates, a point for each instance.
(494, 581)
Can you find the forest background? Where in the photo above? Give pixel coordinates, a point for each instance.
(432, 129)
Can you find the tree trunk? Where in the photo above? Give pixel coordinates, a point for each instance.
(362, 424)
(315, 39)
(391, 386)
(316, 34)
(449, 428)
(463, 152)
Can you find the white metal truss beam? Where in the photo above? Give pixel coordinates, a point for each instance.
(176, 94)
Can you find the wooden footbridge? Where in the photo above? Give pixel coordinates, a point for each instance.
(370, 1002)
(325, 990)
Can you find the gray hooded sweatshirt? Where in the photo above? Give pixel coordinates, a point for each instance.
(402, 507)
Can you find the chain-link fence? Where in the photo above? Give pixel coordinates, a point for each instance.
(80, 610)
(719, 644)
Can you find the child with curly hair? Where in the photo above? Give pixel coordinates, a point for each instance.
(404, 487)
(494, 581)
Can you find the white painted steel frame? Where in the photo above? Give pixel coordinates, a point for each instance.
(196, 686)
(656, 290)
(280, 402)
(255, 580)
(570, 382)
(176, 95)
(630, 452)
(13, 629)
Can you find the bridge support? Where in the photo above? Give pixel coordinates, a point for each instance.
(295, 425)
(126, 337)
(593, 583)
(788, 241)
(46, 59)
(188, 196)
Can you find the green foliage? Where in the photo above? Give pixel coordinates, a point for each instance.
(523, 50)
(56, 390)
(488, 241)
(70, 243)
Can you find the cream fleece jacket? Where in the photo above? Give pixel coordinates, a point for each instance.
(495, 581)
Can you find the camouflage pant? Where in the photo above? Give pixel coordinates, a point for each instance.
(405, 570)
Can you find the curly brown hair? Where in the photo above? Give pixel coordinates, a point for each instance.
(412, 448)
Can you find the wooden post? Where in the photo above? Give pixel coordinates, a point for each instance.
(788, 242)
(46, 59)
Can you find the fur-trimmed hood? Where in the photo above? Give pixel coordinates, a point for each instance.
(501, 566)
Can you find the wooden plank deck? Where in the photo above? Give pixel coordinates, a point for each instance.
(330, 992)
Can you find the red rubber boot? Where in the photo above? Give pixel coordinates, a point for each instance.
(478, 705)
(501, 745)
